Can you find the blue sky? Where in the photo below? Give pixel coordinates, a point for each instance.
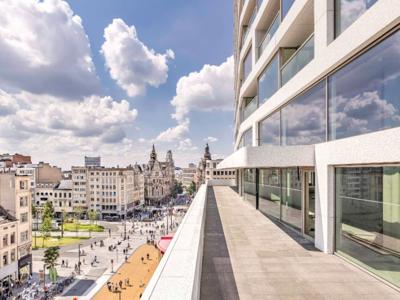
(53, 123)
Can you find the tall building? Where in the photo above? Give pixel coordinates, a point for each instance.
(317, 116)
(158, 177)
(92, 161)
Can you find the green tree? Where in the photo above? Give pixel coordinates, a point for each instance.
(48, 210)
(45, 228)
(63, 217)
(51, 255)
(93, 215)
(192, 188)
(177, 188)
(77, 215)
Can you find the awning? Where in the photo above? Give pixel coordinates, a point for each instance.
(270, 157)
(164, 242)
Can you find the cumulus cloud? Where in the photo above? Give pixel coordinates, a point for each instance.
(210, 139)
(186, 145)
(130, 62)
(95, 116)
(174, 133)
(7, 104)
(209, 89)
(44, 49)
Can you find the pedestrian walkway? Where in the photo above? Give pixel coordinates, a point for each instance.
(138, 273)
(268, 261)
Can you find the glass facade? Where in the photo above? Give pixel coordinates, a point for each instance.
(249, 182)
(368, 218)
(268, 82)
(347, 11)
(291, 197)
(247, 138)
(269, 187)
(247, 65)
(286, 5)
(270, 130)
(364, 95)
(304, 118)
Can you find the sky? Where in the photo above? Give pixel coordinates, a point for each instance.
(111, 78)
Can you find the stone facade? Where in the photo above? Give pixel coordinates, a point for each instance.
(158, 178)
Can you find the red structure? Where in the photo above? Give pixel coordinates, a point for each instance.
(164, 242)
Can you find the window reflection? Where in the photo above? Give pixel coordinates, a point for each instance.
(363, 96)
(268, 83)
(368, 218)
(347, 11)
(270, 130)
(291, 197)
(304, 119)
(249, 178)
(270, 192)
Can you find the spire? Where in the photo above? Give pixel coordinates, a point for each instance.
(153, 155)
(207, 154)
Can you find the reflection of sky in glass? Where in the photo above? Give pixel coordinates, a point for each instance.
(269, 130)
(247, 138)
(303, 120)
(349, 11)
(364, 95)
(268, 81)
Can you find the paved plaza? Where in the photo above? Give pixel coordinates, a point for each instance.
(96, 267)
(260, 259)
(138, 272)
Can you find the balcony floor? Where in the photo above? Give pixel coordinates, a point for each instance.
(248, 256)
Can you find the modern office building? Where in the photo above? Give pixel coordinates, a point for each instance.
(188, 175)
(317, 137)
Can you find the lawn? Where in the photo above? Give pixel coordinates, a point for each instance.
(52, 241)
(83, 227)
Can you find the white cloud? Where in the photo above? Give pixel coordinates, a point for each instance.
(209, 89)
(44, 49)
(186, 145)
(98, 117)
(130, 62)
(210, 139)
(174, 133)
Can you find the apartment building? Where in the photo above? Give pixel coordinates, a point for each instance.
(113, 191)
(16, 199)
(188, 175)
(8, 250)
(212, 173)
(317, 137)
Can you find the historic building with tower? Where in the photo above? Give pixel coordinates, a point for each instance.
(158, 177)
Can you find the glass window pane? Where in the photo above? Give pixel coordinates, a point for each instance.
(347, 11)
(304, 118)
(247, 138)
(250, 186)
(364, 95)
(247, 65)
(291, 197)
(270, 130)
(270, 192)
(368, 218)
(286, 5)
(268, 82)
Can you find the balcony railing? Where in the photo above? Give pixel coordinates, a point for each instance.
(252, 104)
(298, 61)
(269, 34)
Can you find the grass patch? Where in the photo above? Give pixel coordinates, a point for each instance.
(53, 241)
(83, 227)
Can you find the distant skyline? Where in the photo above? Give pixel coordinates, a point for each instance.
(109, 79)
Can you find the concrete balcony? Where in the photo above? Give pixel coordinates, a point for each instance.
(226, 249)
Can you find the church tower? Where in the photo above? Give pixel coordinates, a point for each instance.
(207, 154)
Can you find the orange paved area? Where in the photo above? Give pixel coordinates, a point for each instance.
(138, 273)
